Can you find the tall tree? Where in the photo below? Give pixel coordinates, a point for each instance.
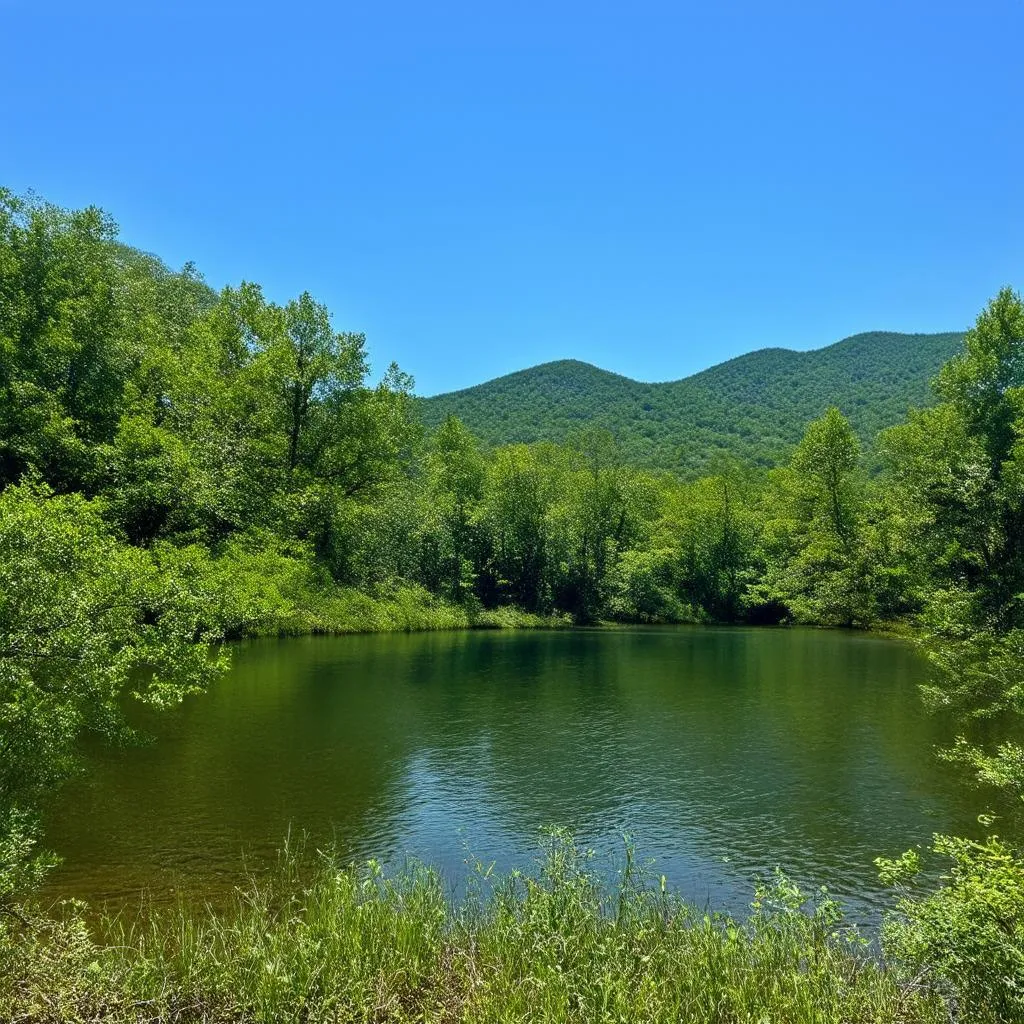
(602, 510)
(712, 527)
(450, 542)
(816, 561)
(306, 370)
(68, 346)
(522, 486)
(957, 474)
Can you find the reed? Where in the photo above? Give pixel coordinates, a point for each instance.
(332, 944)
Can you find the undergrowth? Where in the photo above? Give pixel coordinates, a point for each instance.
(336, 944)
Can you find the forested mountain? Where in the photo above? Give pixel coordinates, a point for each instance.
(754, 407)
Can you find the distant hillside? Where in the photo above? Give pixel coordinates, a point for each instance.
(754, 407)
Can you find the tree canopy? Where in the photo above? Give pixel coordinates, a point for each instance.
(753, 408)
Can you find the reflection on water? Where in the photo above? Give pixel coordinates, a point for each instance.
(723, 752)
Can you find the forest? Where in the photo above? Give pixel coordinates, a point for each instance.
(753, 408)
(180, 467)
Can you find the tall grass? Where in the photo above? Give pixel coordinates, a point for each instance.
(353, 944)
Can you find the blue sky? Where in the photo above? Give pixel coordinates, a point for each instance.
(652, 187)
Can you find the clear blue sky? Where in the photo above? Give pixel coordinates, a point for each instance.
(652, 187)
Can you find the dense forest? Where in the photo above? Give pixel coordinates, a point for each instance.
(180, 466)
(753, 408)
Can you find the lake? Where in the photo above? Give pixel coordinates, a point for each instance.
(723, 752)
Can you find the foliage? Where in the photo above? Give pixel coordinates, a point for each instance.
(85, 622)
(450, 534)
(555, 945)
(238, 441)
(966, 938)
(957, 473)
(753, 408)
(644, 588)
(956, 483)
(818, 563)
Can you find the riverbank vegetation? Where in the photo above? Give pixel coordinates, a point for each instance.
(356, 945)
(180, 466)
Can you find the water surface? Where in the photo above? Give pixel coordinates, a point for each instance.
(723, 752)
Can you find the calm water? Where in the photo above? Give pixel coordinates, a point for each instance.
(722, 751)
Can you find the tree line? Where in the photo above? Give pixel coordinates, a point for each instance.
(239, 445)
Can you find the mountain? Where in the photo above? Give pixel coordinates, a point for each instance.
(755, 406)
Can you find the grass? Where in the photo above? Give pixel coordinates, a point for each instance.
(406, 609)
(353, 944)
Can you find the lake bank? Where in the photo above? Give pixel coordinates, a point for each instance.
(556, 945)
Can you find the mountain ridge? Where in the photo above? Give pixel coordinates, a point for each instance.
(753, 406)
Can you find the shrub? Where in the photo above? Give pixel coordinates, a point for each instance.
(966, 938)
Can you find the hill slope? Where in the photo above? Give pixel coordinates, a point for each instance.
(755, 406)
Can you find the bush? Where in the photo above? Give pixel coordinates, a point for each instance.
(966, 938)
(329, 944)
(643, 589)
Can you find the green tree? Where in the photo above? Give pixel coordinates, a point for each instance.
(522, 486)
(299, 371)
(644, 588)
(68, 344)
(601, 510)
(817, 562)
(450, 532)
(957, 475)
(85, 623)
(712, 527)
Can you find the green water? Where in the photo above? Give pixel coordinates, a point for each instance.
(722, 751)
